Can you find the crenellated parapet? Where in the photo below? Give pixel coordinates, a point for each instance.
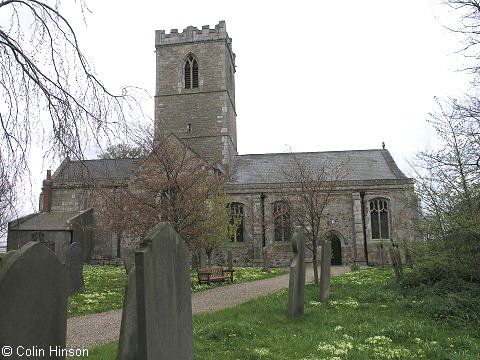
(192, 34)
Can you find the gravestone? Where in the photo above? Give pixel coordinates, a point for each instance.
(127, 344)
(326, 261)
(396, 263)
(229, 259)
(296, 284)
(128, 258)
(33, 303)
(398, 257)
(74, 267)
(157, 315)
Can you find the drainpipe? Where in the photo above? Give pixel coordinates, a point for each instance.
(362, 203)
(264, 239)
(262, 204)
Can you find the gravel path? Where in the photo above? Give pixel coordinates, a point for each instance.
(87, 331)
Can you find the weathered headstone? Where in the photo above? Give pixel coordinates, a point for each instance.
(326, 261)
(399, 259)
(74, 267)
(158, 293)
(229, 259)
(296, 285)
(33, 303)
(127, 344)
(128, 258)
(396, 262)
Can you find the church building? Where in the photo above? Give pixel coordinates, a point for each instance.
(372, 204)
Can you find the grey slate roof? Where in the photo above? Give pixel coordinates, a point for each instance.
(94, 169)
(45, 221)
(360, 165)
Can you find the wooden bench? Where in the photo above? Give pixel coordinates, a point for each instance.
(214, 274)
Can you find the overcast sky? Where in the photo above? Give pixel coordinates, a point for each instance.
(310, 76)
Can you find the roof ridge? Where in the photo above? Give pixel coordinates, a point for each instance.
(310, 152)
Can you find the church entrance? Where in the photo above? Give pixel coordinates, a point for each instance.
(336, 249)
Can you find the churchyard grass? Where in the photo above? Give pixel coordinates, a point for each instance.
(105, 285)
(368, 317)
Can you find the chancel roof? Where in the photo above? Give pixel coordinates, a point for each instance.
(359, 165)
(94, 169)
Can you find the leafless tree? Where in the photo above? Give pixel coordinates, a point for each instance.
(172, 184)
(49, 95)
(314, 185)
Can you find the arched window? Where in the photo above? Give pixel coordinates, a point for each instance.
(379, 219)
(236, 210)
(191, 73)
(282, 221)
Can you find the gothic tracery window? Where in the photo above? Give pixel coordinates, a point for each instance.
(282, 221)
(191, 73)
(236, 210)
(379, 219)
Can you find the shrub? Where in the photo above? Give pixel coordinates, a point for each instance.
(440, 260)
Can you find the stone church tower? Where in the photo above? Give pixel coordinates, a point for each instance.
(195, 90)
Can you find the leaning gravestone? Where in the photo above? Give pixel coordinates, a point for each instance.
(157, 316)
(296, 284)
(74, 267)
(396, 263)
(33, 303)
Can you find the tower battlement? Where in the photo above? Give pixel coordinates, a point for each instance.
(192, 34)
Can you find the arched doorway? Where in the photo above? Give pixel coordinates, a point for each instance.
(336, 249)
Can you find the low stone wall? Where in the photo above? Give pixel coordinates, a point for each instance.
(106, 261)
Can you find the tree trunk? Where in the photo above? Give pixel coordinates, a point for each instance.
(209, 256)
(315, 266)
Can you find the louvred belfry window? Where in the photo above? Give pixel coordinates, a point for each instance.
(379, 219)
(191, 73)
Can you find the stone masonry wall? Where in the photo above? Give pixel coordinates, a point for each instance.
(339, 220)
(204, 116)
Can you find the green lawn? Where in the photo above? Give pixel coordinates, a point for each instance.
(104, 287)
(368, 317)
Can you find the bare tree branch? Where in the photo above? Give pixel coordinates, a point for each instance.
(47, 87)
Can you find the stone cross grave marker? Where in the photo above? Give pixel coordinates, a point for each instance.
(157, 315)
(33, 303)
(74, 267)
(296, 284)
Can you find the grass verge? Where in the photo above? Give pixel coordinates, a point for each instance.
(367, 318)
(105, 285)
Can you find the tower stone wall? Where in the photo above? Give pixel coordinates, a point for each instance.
(204, 117)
